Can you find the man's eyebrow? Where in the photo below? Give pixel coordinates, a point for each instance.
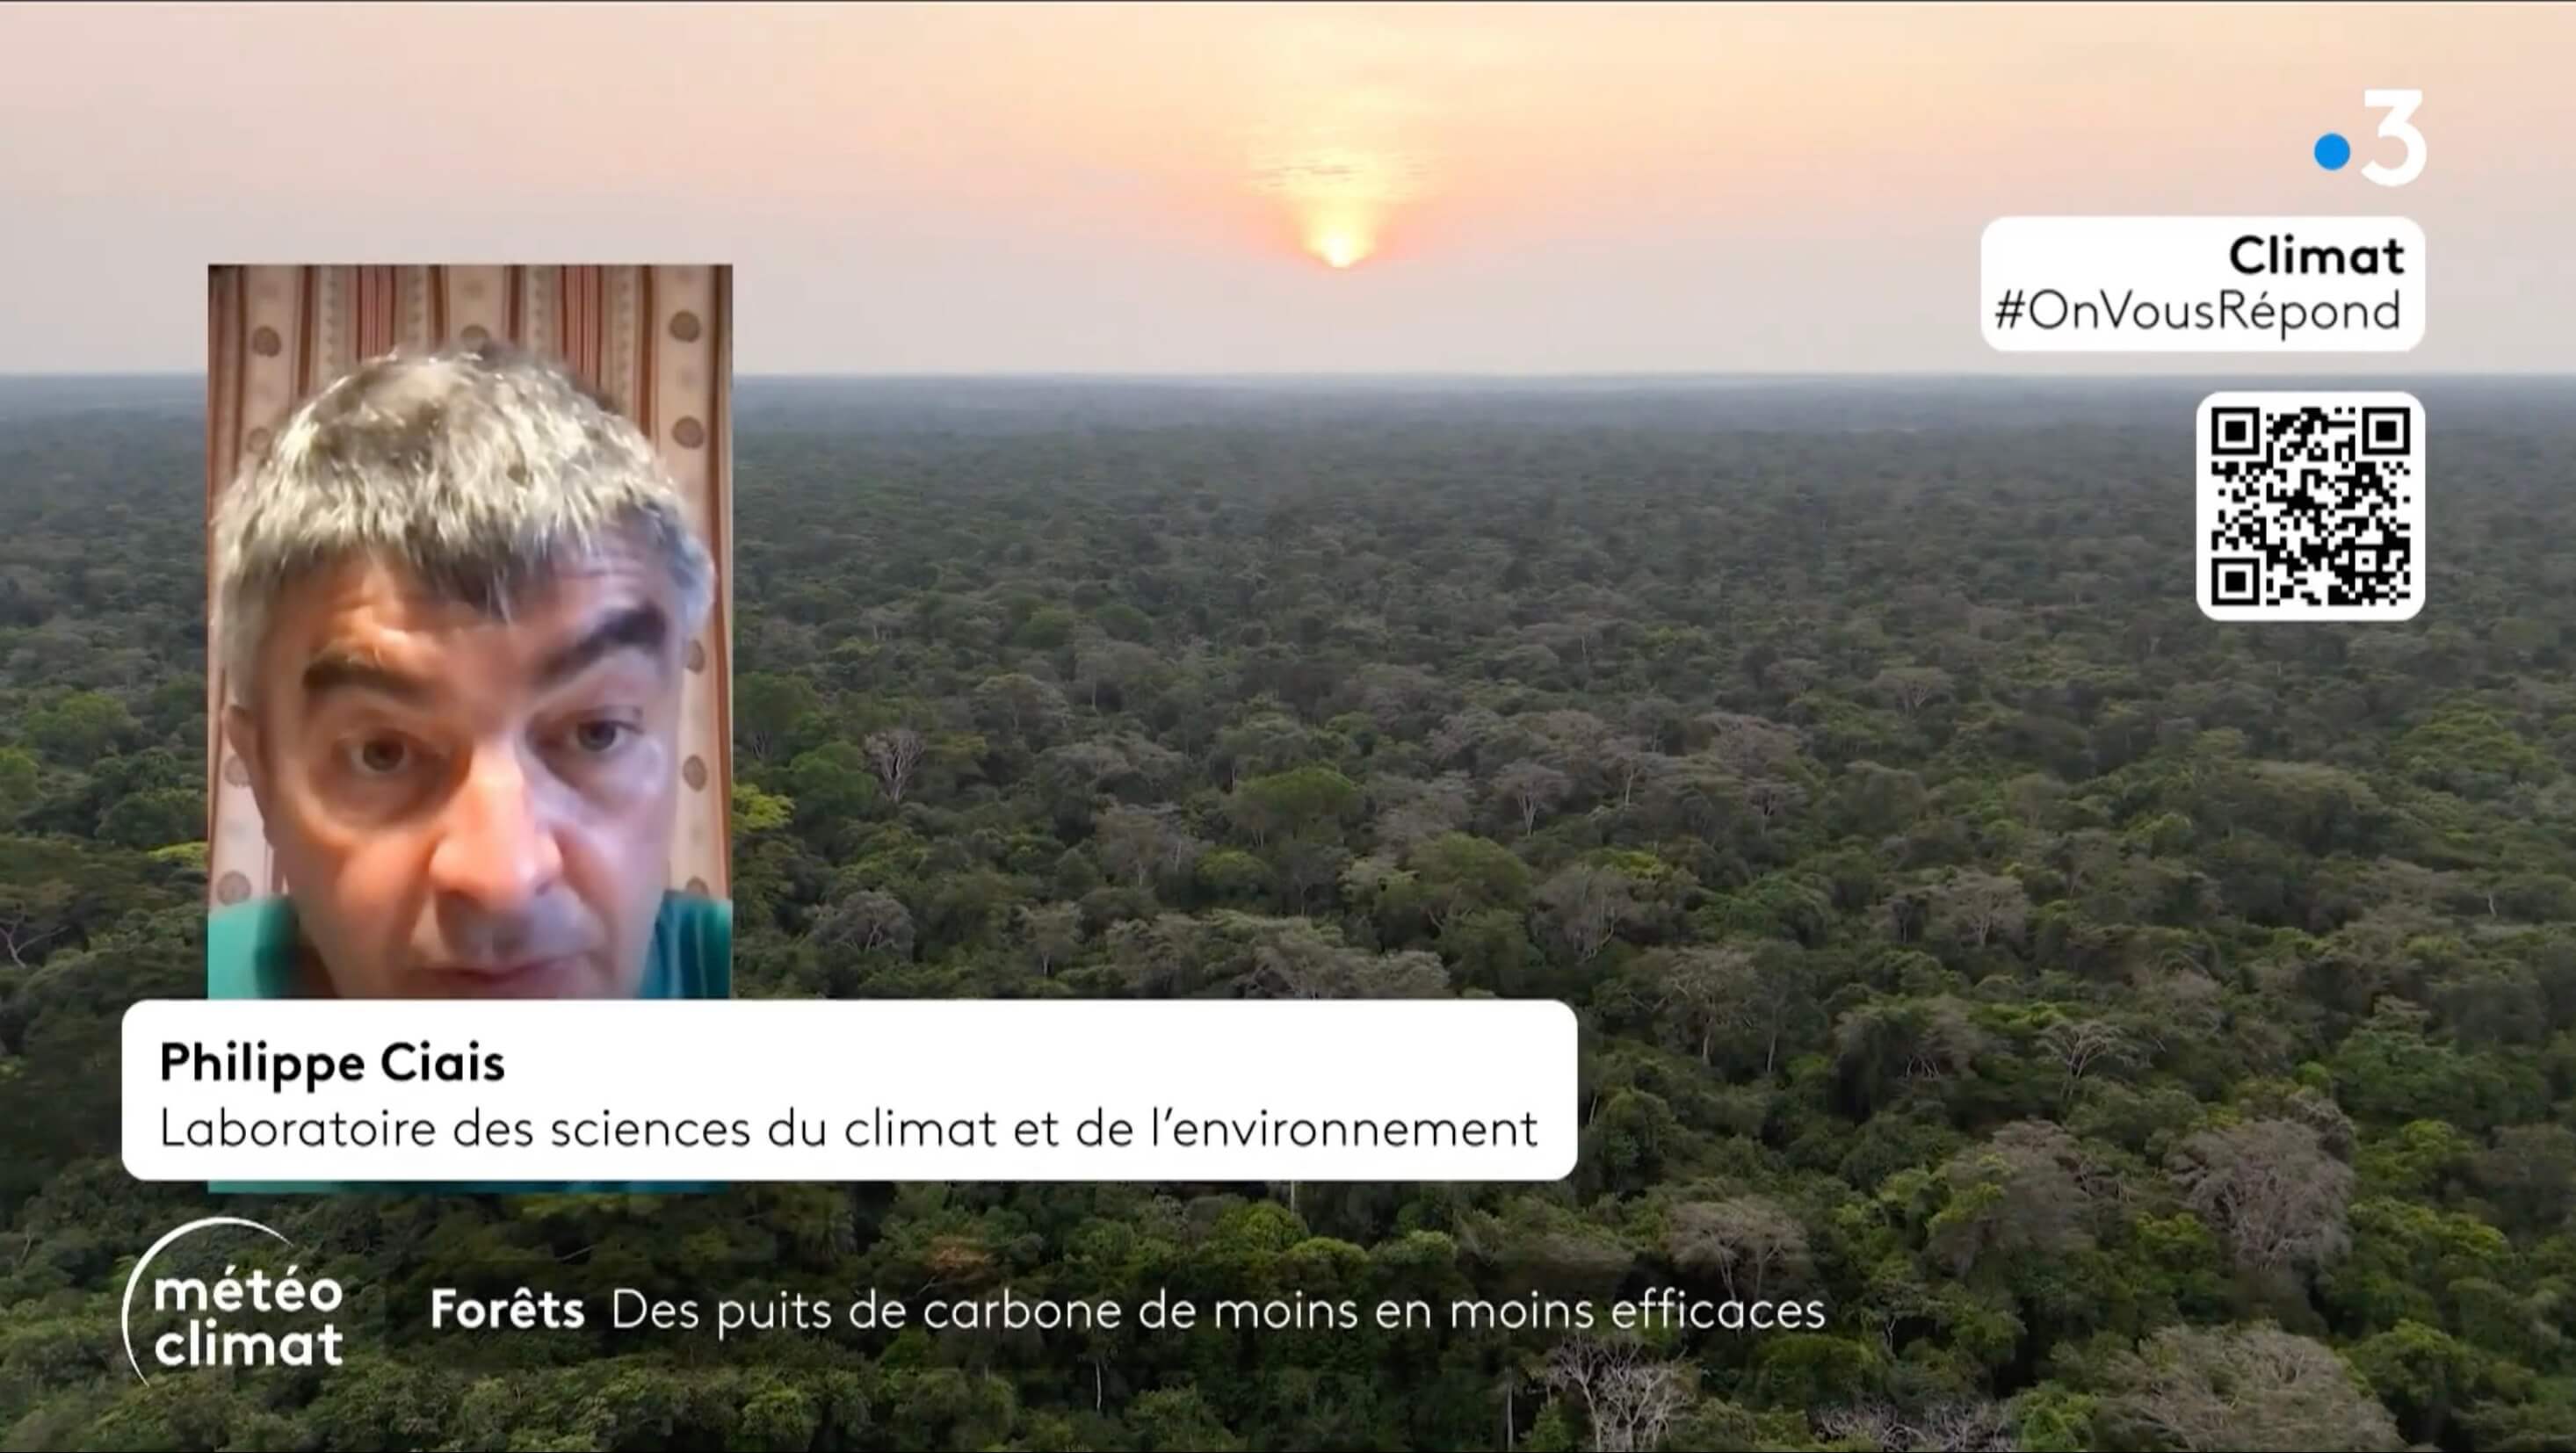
(338, 669)
(636, 627)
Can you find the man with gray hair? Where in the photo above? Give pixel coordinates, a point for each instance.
(455, 592)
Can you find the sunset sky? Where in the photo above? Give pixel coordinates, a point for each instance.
(1599, 189)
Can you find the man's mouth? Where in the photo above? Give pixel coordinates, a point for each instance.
(535, 978)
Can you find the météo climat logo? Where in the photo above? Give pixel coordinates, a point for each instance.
(245, 1317)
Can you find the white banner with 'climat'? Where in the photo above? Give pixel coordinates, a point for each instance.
(2202, 284)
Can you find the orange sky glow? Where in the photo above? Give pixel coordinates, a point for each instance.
(1253, 188)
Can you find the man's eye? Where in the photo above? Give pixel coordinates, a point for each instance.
(381, 756)
(598, 738)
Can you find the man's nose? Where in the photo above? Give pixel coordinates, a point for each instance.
(496, 847)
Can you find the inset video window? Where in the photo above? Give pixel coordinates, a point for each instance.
(467, 638)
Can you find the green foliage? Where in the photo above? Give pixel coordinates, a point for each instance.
(1940, 895)
(155, 819)
(1461, 873)
(1124, 622)
(2050, 1419)
(1301, 800)
(2420, 1160)
(758, 811)
(774, 713)
(190, 856)
(79, 727)
(17, 783)
(832, 786)
(2469, 750)
(1231, 875)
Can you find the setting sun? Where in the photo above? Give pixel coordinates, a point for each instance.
(1340, 247)
(1340, 231)
(1340, 177)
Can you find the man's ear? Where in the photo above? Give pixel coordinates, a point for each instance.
(241, 734)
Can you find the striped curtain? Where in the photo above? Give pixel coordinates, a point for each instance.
(657, 342)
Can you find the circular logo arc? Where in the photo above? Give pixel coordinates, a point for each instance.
(134, 1278)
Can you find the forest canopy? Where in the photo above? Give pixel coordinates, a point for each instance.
(2136, 1032)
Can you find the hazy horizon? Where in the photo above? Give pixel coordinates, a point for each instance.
(1112, 191)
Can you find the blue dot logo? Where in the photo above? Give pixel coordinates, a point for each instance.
(2333, 151)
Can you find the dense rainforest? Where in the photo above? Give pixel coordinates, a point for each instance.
(2137, 1032)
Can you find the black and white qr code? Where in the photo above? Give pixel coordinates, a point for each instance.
(2311, 506)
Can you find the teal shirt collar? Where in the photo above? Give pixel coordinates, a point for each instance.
(251, 950)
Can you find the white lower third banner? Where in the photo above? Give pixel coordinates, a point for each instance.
(352, 1093)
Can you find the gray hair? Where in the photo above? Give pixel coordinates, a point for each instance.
(475, 469)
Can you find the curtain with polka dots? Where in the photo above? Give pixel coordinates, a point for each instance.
(655, 341)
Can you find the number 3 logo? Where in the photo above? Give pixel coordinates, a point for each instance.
(2400, 105)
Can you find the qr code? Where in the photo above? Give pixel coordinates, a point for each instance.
(2311, 506)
